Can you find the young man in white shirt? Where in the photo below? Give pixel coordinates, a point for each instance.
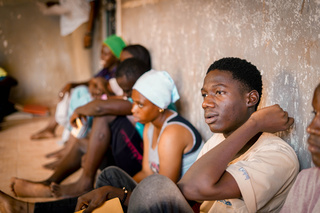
(242, 168)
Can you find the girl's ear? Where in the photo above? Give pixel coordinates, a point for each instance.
(253, 98)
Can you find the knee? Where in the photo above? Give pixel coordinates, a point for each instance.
(101, 127)
(157, 193)
(153, 188)
(103, 120)
(111, 171)
(107, 175)
(155, 179)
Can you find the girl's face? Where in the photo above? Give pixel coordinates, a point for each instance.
(107, 57)
(143, 110)
(314, 129)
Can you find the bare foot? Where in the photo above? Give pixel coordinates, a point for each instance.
(57, 154)
(71, 190)
(45, 133)
(53, 165)
(25, 188)
(10, 205)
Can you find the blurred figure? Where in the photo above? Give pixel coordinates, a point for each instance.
(304, 196)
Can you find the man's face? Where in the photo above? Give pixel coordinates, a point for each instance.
(126, 85)
(224, 102)
(107, 57)
(314, 129)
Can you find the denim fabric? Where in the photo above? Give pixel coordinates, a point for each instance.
(157, 193)
(114, 176)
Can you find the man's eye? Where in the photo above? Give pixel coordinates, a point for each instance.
(140, 105)
(204, 95)
(219, 92)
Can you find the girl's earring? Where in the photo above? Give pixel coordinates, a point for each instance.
(161, 110)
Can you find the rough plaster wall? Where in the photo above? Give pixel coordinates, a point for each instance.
(280, 37)
(32, 51)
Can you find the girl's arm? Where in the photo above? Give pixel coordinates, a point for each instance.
(174, 142)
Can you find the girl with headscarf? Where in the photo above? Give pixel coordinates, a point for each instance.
(171, 143)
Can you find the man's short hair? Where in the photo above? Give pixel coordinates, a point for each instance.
(140, 52)
(132, 68)
(243, 71)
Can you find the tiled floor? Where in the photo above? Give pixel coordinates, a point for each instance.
(22, 157)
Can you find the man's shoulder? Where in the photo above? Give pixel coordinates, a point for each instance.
(271, 141)
(269, 144)
(215, 139)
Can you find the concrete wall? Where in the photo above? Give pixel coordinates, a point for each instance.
(280, 37)
(184, 37)
(33, 52)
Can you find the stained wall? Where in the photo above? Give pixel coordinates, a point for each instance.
(33, 51)
(280, 37)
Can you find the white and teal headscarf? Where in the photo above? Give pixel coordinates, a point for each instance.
(158, 87)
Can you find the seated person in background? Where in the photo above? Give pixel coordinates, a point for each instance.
(107, 123)
(304, 196)
(110, 54)
(136, 51)
(241, 168)
(171, 145)
(118, 133)
(131, 51)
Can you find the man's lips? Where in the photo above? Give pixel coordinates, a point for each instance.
(210, 117)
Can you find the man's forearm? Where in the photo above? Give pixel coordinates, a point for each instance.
(214, 163)
(207, 175)
(105, 107)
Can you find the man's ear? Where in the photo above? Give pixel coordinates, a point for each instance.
(253, 98)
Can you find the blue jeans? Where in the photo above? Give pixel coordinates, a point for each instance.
(114, 176)
(157, 193)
